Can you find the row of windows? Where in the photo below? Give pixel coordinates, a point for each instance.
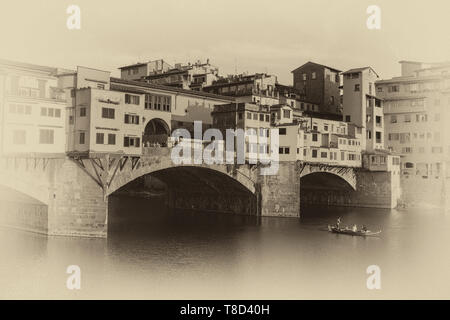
(333, 155)
(158, 102)
(19, 109)
(418, 117)
(254, 116)
(405, 137)
(111, 139)
(416, 87)
(51, 112)
(46, 136)
(132, 99)
(26, 109)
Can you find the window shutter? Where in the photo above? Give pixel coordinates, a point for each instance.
(126, 141)
(138, 142)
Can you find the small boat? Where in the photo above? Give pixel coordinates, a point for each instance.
(350, 232)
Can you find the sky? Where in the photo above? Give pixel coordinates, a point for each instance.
(274, 36)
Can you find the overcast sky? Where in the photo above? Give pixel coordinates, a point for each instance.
(274, 36)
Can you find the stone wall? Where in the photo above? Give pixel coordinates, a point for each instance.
(77, 206)
(280, 193)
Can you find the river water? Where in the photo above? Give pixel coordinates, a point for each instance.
(150, 254)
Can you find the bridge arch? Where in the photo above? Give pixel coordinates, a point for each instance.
(347, 174)
(147, 167)
(25, 185)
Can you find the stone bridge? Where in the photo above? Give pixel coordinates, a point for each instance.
(70, 192)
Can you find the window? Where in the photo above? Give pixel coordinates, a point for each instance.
(323, 155)
(325, 127)
(314, 153)
(287, 114)
(82, 137)
(282, 131)
(357, 87)
(347, 118)
(100, 86)
(304, 76)
(380, 89)
(267, 118)
(378, 136)
(393, 119)
(378, 120)
(393, 88)
(108, 113)
(436, 149)
(409, 165)
(111, 138)
(407, 150)
(46, 136)
(284, 150)
(131, 119)
(261, 117)
(131, 99)
(240, 115)
(19, 137)
(313, 76)
(314, 137)
(249, 115)
(255, 116)
(83, 112)
(100, 138)
(131, 142)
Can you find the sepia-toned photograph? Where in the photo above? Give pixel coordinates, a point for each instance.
(224, 150)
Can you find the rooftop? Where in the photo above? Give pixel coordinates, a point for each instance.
(355, 70)
(317, 64)
(171, 89)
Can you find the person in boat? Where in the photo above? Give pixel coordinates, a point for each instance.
(354, 228)
(364, 229)
(338, 222)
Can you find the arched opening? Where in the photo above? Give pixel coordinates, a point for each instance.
(324, 189)
(156, 132)
(183, 192)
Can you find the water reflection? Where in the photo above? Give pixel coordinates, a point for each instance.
(154, 254)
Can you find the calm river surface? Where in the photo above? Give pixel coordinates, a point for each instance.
(213, 256)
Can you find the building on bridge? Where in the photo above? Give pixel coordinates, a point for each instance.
(32, 109)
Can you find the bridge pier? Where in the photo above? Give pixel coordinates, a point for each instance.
(280, 193)
(77, 205)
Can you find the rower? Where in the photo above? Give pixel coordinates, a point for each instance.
(364, 228)
(355, 228)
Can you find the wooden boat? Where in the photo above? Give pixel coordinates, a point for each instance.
(350, 232)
